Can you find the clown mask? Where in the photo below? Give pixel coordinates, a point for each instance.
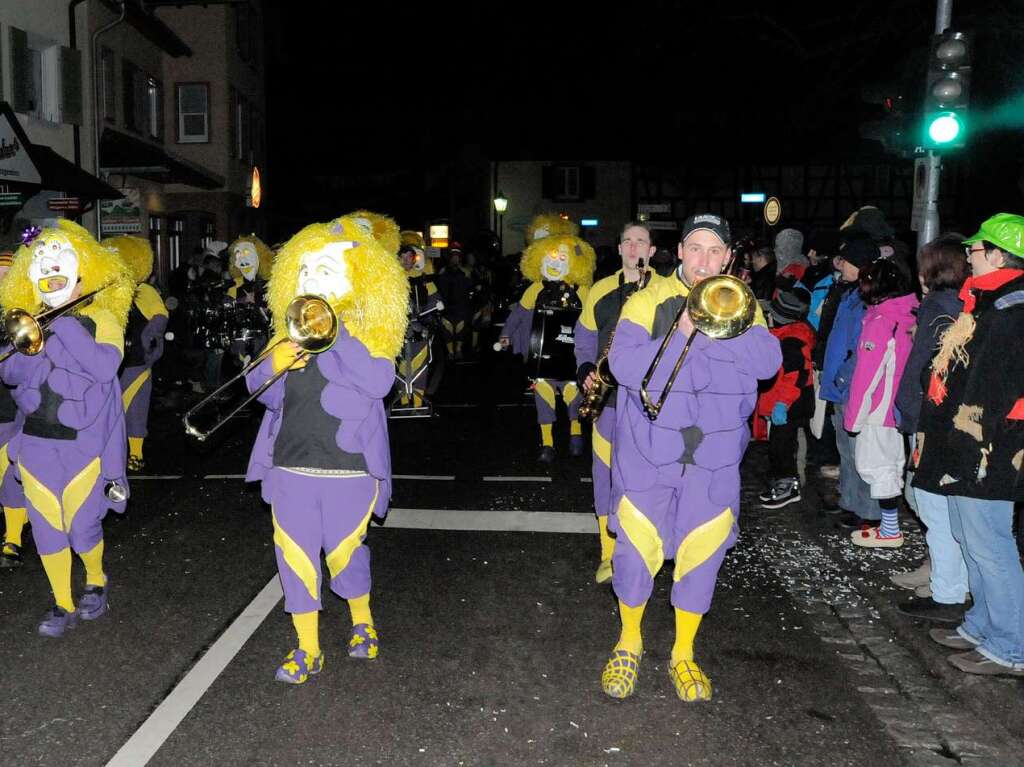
(540, 233)
(246, 260)
(555, 265)
(54, 269)
(324, 272)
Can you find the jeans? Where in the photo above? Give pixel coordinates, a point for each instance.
(854, 492)
(984, 530)
(949, 571)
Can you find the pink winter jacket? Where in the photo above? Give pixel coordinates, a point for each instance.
(893, 319)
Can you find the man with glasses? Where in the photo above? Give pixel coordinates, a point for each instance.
(594, 329)
(970, 447)
(679, 476)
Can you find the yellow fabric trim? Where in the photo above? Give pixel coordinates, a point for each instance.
(78, 490)
(701, 543)
(546, 392)
(42, 499)
(149, 301)
(642, 533)
(93, 561)
(600, 289)
(529, 299)
(602, 447)
(419, 360)
(359, 607)
(569, 392)
(687, 624)
(58, 573)
(133, 388)
(338, 559)
(14, 523)
(642, 305)
(296, 558)
(307, 629)
(5, 462)
(546, 438)
(108, 330)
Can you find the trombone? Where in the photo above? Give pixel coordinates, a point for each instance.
(720, 307)
(310, 322)
(26, 332)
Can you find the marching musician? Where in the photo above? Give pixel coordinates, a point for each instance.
(594, 330)
(70, 453)
(246, 321)
(12, 496)
(143, 342)
(322, 452)
(679, 475)
(425, 306)
(541, 329)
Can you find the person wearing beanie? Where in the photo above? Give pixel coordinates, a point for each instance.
(787, 400)
(839, 359)
(12, 496)
(762, 279)
(790, 261)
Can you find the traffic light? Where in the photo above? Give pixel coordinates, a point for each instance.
(889, 128)
(947, 92)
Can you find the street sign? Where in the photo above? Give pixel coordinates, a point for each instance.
(654, 207)
(588, 222)
(752, 196)
(64, 203)
(772, 211)
(10, 200)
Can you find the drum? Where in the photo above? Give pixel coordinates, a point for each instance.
(552, 353)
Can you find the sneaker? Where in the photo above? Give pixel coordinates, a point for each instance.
(871, 538)
(546, 455)
(973, 662)
(576, 447)
(914, 578)
(93, 603)
(57, 621)
(10, 556)
(136, 465)
(930, 610)
(829, 471)
(782, 493)
(952, 639)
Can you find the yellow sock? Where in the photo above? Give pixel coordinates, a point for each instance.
(686, 629)
(15, 520)
(545, 435)
(360, 607)
(93, 561)
(630, 638)
(135, 447)
(574, 429)
(58, 572)
(607, 542)
(307, 627)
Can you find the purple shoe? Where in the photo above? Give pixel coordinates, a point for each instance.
(57, 621)
(93, 603)
(297, 667)
(364, 642)
(576, 446)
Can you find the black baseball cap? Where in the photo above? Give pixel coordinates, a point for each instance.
(712, 222)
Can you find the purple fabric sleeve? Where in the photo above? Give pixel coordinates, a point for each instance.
(350, 363)
(586, 345)
(517, 329)
(273, 397)
(153, 339)
(633, 351)
(72, 346)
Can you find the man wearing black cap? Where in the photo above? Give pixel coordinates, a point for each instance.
(855, 499)
(678, 476)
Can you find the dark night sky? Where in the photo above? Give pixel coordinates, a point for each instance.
(377, 86)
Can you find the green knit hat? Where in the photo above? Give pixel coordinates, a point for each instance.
(1005, 231)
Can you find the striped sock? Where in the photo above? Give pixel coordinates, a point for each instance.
(890, 526)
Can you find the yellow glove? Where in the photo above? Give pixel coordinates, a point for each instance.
(284, 357)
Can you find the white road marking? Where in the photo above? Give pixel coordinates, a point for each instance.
(497, 521)
(141, 747)
(224, 476)
(516, 479)
(439, 477)
(133, 477)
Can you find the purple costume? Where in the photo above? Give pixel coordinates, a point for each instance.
(73, 441)
(144, 345)
(11, 419)
(323, 458)
(679, 475)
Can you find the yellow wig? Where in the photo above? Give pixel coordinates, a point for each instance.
(553, 224)
(415, 239)
(374, 311)
(409, 237)
(134, 251)
(265, 254)
(97, 267)
(380, 226)
(582, 259)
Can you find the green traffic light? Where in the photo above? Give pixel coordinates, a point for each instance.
(945, 128)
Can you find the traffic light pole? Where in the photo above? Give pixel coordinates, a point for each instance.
(930, 221)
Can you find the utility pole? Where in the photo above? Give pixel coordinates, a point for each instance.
(930, 221)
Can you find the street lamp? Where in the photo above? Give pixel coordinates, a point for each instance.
(500, 206)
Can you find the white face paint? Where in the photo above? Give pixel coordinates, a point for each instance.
(324, 272)
(555, 265)
(54, 269)
(247, 261)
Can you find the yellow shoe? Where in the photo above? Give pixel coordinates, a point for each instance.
(690, 682)
(604, 571)
(618, 680)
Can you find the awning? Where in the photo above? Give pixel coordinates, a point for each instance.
(121, 153)
(64, 176)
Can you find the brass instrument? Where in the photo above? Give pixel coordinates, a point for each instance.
(26, 332)
(720, 307)
(595, 397)
(310, 322)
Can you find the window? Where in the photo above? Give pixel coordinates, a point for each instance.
(133, 84)
(45, 78)
(175, 232)
(193, 113)
(155, 108)
(567, 183)
(155, 228)
(107, 85)
(208, 227)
